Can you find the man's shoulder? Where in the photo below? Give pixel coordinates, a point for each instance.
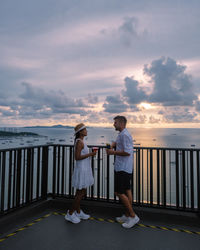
(126, 132)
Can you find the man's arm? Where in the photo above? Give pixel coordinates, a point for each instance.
(120, 153)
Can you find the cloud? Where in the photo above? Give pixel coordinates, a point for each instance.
(153, 119)
(92, 99)
(7, 113)
(179, 115)
(114, 104)
(137, 119)
(133, 93)
(36, 102)
(179, 118)
(171, 85)
(168, 86)
(128, 30)
(54, 99)
(197, 105)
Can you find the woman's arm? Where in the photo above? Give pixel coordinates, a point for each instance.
(79, 146)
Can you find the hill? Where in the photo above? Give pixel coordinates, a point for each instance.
(8, 134)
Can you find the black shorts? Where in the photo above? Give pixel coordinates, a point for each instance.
(123, 181)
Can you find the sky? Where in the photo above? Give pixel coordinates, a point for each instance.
(71, 61)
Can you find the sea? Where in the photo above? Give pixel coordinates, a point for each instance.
(144, 137)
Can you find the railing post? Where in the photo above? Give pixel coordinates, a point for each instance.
(138, 176)
(192, 179)
(54, 172)
(108, 176)
(164, 177)
(63, 171)
(18, 184)
(58, 172)
(9, 179)
(70, 170)
(28, 175)
(183, 179)
(3, 180)
(38, 172)
(44, 172)
(158, 177)
(198, 181)
(177, 180)
(98, 175)
(151, 177)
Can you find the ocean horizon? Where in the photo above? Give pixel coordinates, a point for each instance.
(145, 137)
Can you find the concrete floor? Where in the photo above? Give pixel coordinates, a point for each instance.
(53, 232)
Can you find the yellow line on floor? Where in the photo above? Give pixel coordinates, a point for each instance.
(24, 227)
(142, 225)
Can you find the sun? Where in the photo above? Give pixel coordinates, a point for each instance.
(145, 105)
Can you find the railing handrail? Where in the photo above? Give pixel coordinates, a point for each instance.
(100, 146)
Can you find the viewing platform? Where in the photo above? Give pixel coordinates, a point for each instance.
(36, 191)
(42, 226)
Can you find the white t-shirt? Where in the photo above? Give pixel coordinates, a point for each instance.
(124, 142)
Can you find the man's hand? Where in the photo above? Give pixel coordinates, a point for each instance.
(113, 145)
(110, 151)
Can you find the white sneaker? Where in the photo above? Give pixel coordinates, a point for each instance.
(122, 219)
(72, 218)
(82, 215)
(131, 222)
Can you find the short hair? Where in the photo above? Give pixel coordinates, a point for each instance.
(121, 119)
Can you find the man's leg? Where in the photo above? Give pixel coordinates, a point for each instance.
(129, 195)
(126, 202)
(130, 198)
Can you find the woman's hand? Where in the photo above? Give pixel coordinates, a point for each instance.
(93, 153)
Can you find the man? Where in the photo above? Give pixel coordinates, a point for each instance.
(123, 170)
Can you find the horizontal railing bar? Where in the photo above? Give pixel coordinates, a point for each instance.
(100, 146)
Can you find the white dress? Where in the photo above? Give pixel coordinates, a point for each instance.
(82, 176)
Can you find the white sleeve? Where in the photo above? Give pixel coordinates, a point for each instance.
(127, 144)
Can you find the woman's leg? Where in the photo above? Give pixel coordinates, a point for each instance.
(76, 204)
(82, 194)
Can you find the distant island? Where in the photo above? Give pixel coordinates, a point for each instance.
(8, 134)
(54, 126)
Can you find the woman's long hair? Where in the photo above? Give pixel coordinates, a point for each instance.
(76, 137)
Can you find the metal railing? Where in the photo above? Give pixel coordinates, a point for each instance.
(162, 177)
(23, 176)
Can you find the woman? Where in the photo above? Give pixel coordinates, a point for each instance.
(82, 176)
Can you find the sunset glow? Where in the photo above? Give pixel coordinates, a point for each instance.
(78, 62)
